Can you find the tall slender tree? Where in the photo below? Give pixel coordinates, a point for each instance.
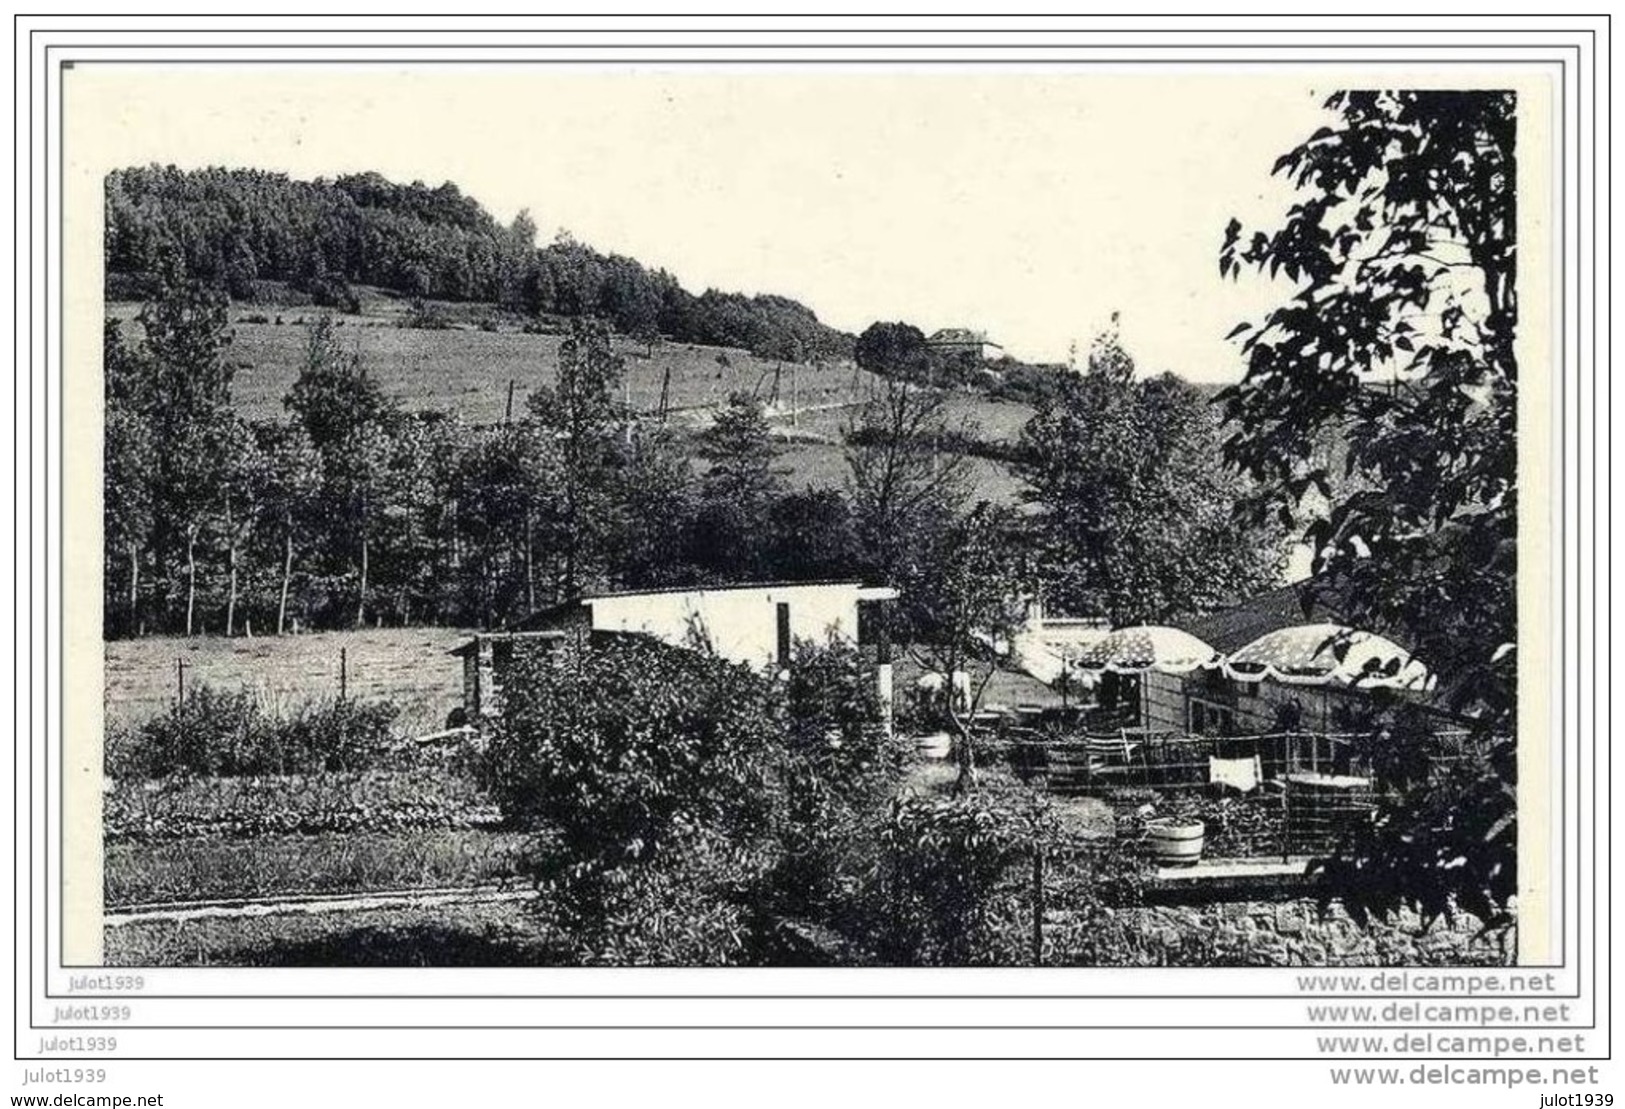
(350, 423)
(241, 484)
(584, 428)
(290, 485)
(968, 601)
(187, 335)
(738, 489)
(904, 486)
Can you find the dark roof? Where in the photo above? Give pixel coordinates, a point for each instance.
(1304, 602)
(1233, 628)
(959, 335)
(465, 648)
(726, 587)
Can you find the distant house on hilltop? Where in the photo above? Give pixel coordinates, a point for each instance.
(953, 341)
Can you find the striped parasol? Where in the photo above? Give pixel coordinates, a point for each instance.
(1147, 647)
(1328, 654)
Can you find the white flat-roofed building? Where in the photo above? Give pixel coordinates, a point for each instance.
(756, 624)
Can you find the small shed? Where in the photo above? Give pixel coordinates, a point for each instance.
(487, 659)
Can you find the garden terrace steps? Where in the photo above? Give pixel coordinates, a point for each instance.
(1230, 880)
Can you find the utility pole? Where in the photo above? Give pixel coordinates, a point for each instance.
(1038, 905)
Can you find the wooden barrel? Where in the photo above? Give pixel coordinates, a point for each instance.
(1175, 842)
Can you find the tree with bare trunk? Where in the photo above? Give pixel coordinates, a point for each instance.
(289, 482)
(964, 608)
(903, 485)
(186, 336)
(240, 487)
(128, 476)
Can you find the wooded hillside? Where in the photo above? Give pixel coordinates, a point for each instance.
(237, 228)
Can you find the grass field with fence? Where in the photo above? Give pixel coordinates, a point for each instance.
(410, 667)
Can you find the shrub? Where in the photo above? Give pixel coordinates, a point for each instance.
(198, 735)
(424, 316)
(624, 747)
(328, 292)
(834, 722)
(229, 734)
(693, 908)
(638, 759)
(1090, 885)
(953, 884)
(837, 776)
(683, 801)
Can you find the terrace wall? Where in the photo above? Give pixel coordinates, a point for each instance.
(1296, 933)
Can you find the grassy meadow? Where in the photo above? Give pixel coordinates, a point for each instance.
(409, 666)
(465, 369)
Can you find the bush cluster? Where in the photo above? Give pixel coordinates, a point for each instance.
(218, 733)
(690, 811)
(953, 886)
(684, 800)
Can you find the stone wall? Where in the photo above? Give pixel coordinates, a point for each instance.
(1296, 933)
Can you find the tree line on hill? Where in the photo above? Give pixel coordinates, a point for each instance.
(351, 511)
(238, 228)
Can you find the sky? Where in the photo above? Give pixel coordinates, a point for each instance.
(1028, 203)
